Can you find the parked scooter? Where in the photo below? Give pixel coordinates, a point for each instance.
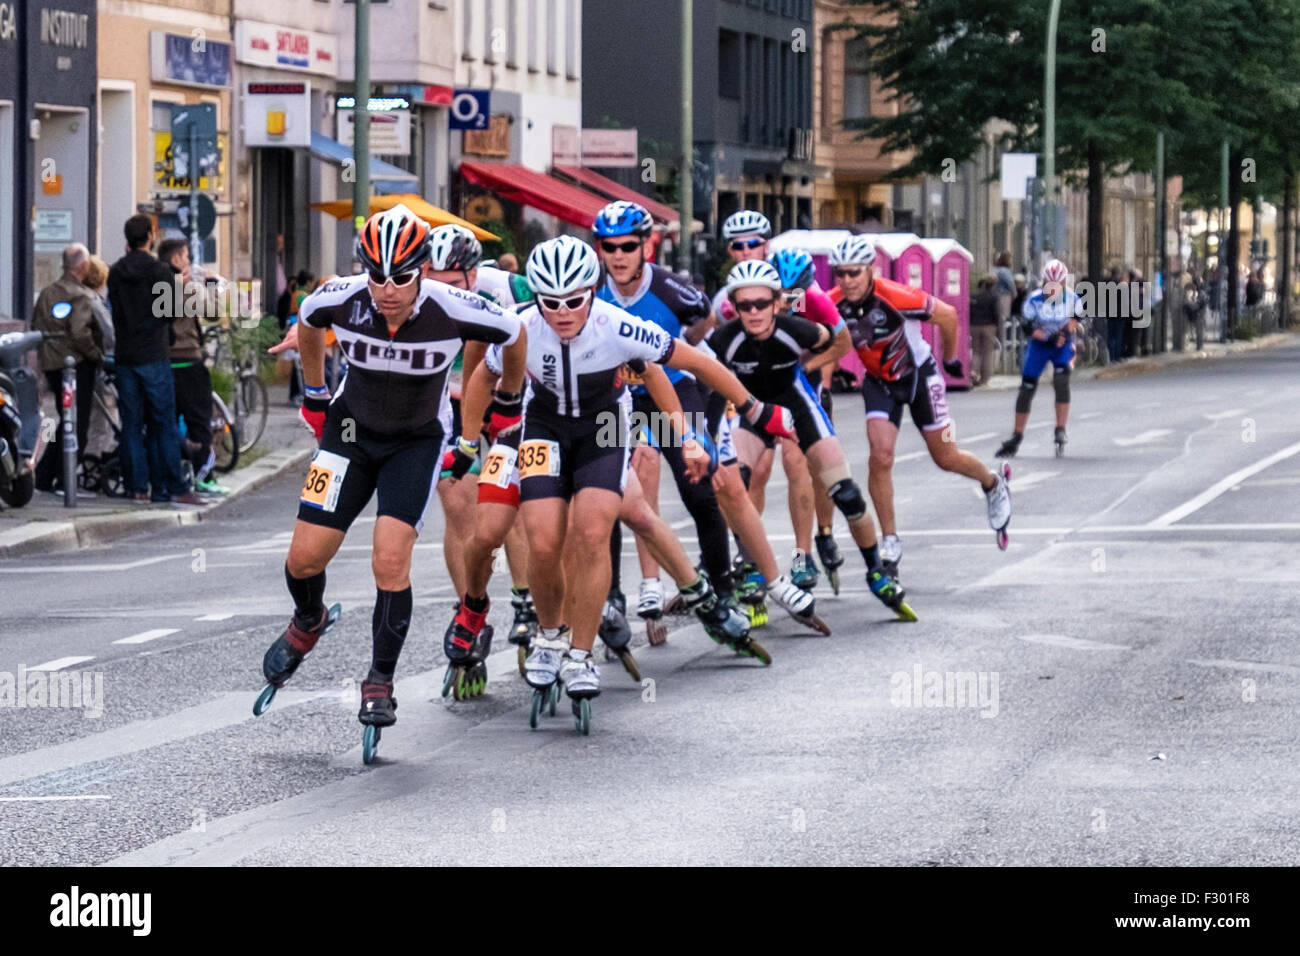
(20, 419)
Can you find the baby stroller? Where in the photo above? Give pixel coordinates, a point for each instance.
(101, 466)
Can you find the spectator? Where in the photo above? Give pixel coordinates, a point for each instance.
(67, 307)
(301, 287)
(1135, 305)
(1114, 323)
(1005, 287)
(508, 262)
(984, 308)
(190, 376)
(1022, 290)
(142, 294)
(1255, 288)
(100, 437)
(97, 282)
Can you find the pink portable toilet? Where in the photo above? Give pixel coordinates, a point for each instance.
(951, 284)
(910, 262)
(817, 242)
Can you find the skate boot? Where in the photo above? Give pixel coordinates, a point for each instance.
(616, 634)
(1060, 440)
(723, 625)
(1010, 446)
(803, 570)
(750, 591)
(542, 670)
(999, 501)
(467, 643)
(829, 552)
(798, 603)
(581, 679)
(650, 608)
(525, 626)
(891, 553)
(890, 594)
(287, 651)
(378, 710)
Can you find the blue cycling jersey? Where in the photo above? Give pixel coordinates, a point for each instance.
(663, 299)
(1051, 315)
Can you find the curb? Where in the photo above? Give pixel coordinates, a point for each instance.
(47, 537)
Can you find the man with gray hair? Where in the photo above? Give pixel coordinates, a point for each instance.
(66, 306)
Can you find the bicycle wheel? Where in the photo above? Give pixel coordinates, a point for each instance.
(253, 397)
(225, 436)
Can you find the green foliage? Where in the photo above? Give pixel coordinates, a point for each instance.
(496, 249)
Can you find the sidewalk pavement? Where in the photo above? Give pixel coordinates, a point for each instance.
(45, 525)
(1155, 363)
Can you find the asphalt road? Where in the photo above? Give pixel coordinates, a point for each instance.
(1133, 660)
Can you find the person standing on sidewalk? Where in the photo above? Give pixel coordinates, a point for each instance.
(985, 306)
(67, 307)
(142, 293)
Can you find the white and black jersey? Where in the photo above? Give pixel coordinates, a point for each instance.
(395, 383)
(582, 376)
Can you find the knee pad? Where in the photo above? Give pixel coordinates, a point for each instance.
(1061, 382)
(746, 473)
(848, 498)
(1026, 395)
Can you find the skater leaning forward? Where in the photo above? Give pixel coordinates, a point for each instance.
(381, 437)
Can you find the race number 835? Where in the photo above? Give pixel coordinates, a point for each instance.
(538, 458)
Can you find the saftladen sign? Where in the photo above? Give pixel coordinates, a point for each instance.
(609, 148)
(285, 48)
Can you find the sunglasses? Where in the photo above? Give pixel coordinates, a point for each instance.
(753, 305)
(741, 244)
(573, 303)
(399, 280)
(847, 273)
(612, 247)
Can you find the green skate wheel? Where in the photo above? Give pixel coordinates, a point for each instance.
(535, 711)
(555, 697)
(834, 578)
(905, 612)
(369, 744)
(447, 679)
(582, 715)
(522, 657)
(264, 700)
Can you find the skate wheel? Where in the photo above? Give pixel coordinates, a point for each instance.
(369, 743)
(263, 700)
(905, 612)
(629, 664)
(535, 711)
(554, 698)
(758, 651)
(522, 657)
(1006, 472)
(332, 617)
(1003, 540)
(834, 578)
(1060, 451)
(582, 715)
(656, 632)
(447, 679)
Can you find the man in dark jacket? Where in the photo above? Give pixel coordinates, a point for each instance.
(144, 302)
(67, 307)
(984, 311)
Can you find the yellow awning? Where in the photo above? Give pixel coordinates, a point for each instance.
(434, 216)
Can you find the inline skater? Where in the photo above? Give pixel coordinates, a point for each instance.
(653, 293)
(763, 347)
(1051, 316)
(573, 471)
(884, 320)
(379, 436)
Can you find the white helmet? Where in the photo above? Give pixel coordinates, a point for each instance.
(753, 272)
(562, 265)
(747, 222)
(1054, 270)
(455, 248)
(853, 251)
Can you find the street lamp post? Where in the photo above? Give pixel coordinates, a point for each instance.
(361, 117)
(1049, 130)
(687, 206)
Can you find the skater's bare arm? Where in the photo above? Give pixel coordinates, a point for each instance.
(475, 397)
(945, 316)
(514, 362)
(311, 347)
(711, 372)
(839, 348)
(665, 398)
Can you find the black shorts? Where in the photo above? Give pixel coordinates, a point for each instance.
(193, 385)
(344, 475)
(559, 456)
(923, 392)
(811, 423)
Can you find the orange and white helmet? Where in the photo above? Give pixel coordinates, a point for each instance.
(393, 242)
(1054, 270)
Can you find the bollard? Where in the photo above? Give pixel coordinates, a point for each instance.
(69, 427)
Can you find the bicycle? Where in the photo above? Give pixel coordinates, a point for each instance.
(249, 398)
(226, 444)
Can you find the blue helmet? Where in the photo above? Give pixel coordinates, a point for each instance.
(623, 219)
(795, 268)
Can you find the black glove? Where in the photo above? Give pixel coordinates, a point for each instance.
(953, 367)
(459, 459)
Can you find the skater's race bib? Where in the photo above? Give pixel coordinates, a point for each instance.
(324, 480)
(539, 459)
(499, 469)
(938, 398)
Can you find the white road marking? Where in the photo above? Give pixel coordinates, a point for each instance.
(1248, 666)
(925, 452)
(679, 525)
(59, 663)
(1219, 416)
(1219, 487)
(80, 568)
(1146, 437)
(146, 636)
(1074, 643)
(79, 796)
(215, 617)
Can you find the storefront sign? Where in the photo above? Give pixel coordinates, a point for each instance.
(53, 225)
(64, 28)
(593, 147)
(8, 21)
(493, 141)
(390, 130)
(277, 114)
(177, 58)
(166, 180)
(285, 48)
